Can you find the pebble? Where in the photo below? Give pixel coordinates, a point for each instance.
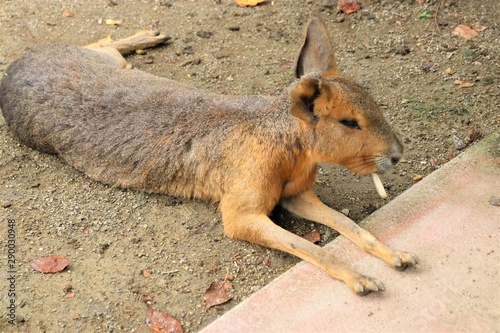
(330, 4)
(345, 211)
(458, 142)
(204, 34)
(495, 201)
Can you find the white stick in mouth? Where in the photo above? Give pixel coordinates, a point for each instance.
(379, 186)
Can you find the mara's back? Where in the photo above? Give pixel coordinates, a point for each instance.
(123, 127)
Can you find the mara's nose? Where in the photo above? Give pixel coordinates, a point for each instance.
(395, 159)
(396, 152)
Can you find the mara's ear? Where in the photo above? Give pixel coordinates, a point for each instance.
(310, 97)
(317, 54)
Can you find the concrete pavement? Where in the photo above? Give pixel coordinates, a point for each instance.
(447, 219)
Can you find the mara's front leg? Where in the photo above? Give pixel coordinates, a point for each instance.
(309, 206)
(259, 229)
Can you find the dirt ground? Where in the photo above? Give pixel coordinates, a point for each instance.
(409, 64)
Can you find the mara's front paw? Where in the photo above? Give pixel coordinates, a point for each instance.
(363, 285)
(402, 260)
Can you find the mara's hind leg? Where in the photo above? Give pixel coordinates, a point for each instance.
(142, 39)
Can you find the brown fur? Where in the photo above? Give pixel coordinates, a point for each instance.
(131, 129)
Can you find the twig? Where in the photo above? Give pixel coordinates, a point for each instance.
(436, 17)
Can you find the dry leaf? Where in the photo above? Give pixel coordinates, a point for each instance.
(464, 31)
(313, 237)
(448, 71)
(267, 261)
(67, 13)
(429, 66)
(51, 264)
(478, 27)
(113, 22)
(244, 3)
(107, 39)
(160, 322)
(463, 84)
(217, 294)
(348, 6)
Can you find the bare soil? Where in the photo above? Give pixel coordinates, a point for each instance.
(112, 236)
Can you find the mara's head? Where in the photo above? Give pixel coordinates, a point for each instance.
(344, 125)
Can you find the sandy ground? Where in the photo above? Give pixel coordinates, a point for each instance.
(409, 64)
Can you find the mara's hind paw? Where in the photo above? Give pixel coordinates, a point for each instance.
(142, 39)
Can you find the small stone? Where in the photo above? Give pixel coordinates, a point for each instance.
(401, 50)
(204, 34)
(68, 288)
(165, 3)
(234, 28)
(458, 142)
(495, 201)
(329, 4)
(345, 211)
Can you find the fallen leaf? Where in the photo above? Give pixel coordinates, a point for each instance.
(51, 264)
(429, 66)
(113, 22)
(478, 27)
(464, 31)
(417, 178)
(475, 135)
(217, 294)
(107, 39)
(448, 71)
(267, 261)
(463, 84)
(67, 13)
(313, 237)
(348, 6)
(160, 322)
(244, 3)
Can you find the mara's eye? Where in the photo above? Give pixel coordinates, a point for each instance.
(351, 123)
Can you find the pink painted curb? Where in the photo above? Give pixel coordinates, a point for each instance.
(447, 220)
